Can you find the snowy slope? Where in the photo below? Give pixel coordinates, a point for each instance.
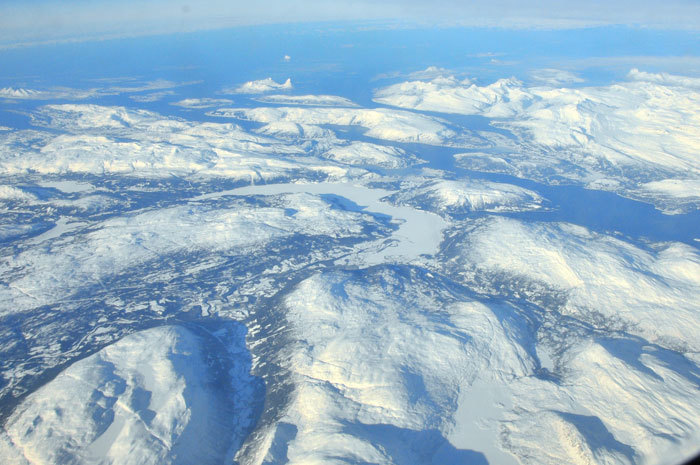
(618, 137)
(310, 100)
(151, 398)
(381, 123)
(43, 275)
(459, 197)
(396, 365)
(363, 153)
(260, 87)
(607, 282)
(378, 358)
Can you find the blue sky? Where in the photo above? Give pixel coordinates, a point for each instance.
(31, 21)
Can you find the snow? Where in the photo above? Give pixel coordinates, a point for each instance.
(99, 154)
(380, 123)
(152, 96)
(43, 275)
(309, 100)
(260, 87)
(308, 132)
(638, 413)
(149, 398)
(115, 140)
(67, 186)
(63, 226)
(89, 203)
(459, 197)
(13, 193)
(19, 93)
(632, 288)
(676, 187)
(483, 399)
(419, 233)
(68, 93)
(448, 94)
(382, 357)
(394, 364)
(397, 317)
(635, 132)
(198, 103)
(363, 153)
(378, 362)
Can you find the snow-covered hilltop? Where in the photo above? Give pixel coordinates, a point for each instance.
(14, 93)
(301, 279)
(624, 137)
(260, 87)
(455, 198)
(154, 397)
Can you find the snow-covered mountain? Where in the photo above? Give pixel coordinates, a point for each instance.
(307, 279)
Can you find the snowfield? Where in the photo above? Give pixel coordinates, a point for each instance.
(363, 153)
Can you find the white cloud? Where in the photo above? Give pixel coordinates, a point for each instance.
(42, 21)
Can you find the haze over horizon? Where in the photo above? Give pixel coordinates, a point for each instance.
(36, 22)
